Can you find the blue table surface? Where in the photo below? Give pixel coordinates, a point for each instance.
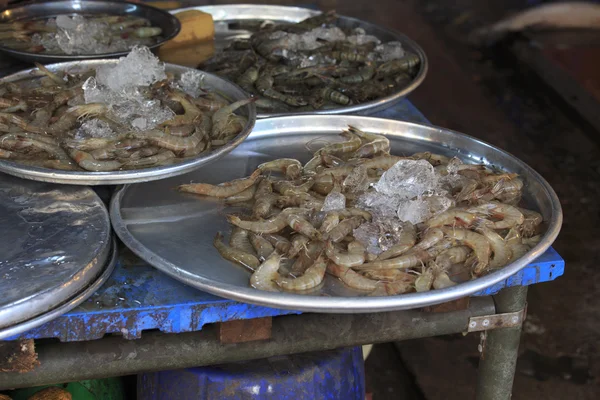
(138, 298)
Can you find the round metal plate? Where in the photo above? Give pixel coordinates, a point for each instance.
(70, 304)
(224, 14)
(229, 90)
(174, 231)
(55, 240)
(169, 24)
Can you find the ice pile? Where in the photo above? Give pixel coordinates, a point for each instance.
(94, 128)
(121, 87)
(192, 82)
(310, 40)
(334, 201)
(410, 191)
(76, 34)
(360, 39)
(378, 236)
(388, 51)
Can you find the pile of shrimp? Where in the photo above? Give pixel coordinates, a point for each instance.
(38, 126)
(289, 244)
(334, 71)
(78, 34)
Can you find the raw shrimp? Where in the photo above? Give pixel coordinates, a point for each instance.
(453, 255)
(331, 220)
(477, 242)
(453, 217)
(245, 195)
(343, 229)
(299, 242)
(431, 238)
(235, 255)
(88, 162)
(240, 240)
(351, 278)
(266, 275)
(271, 225)
(403, 262)
(312, 277)
(407, 240)
(290, 167)
(281, 244)
(222, 190)
(509, 216)
(351, 144)
(261, 245)
(501, 254)
(424, 281)
(531, 221)
(343, 259)
(171, 142)
(150, 160)
(264, 199)
(222, 117)
(301, 225)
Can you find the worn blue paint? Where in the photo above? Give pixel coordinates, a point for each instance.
(138, 298)
(336, 374)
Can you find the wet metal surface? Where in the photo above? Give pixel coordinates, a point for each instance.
(54, 240)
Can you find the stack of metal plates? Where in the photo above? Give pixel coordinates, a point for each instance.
(56, 249)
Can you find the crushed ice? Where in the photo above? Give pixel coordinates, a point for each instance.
(191, 82)
(120, 86)
(94, 128)
(334, 201)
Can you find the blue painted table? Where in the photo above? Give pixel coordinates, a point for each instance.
(139, 298)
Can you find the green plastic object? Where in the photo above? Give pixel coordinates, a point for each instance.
(98, 389)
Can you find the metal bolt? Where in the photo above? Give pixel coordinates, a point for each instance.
(472, 324)
(515, 319)
(486, 322)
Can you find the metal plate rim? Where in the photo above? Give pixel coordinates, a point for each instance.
(346, 304)
(127, 176)
(23, 55)
(70, 304)
(369, 107)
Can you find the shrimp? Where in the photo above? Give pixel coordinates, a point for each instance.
(58, 81)
(147, 31)
(264, 199)
(221, 118)
(271, 225)
(477, 242)
(509, 216)
(290, 167)
(281, 244)
(343, 229)
(235, 255)
(384, 161)
(351, 144)
(356, 247)
(404, 285)
(501, 253)
(299, 242)
(432, 158)
(442, 280)
(311, 166)
(150, 160)
(403, 262)
(307, 257)
(407, 240)
(403, 64)
(266, 275)
(171, 142)
(302, 226)
(261, 245)
(355, 212)
(244, 195)
(431, 238)
(531, 221)
(453, 217)
(240, 240)
(88, 162)
(351, 278)
(453, 255)
(222, 190)
(331, 220)
(311, 278)
(387, 275)
(70, 117)
(424, 281)
(343, 259)
(288, 188)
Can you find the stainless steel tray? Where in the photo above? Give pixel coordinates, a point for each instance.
(174, 231)
(55, 240)
(224, 14)
(67, 306)
(168, 23)
(225, 88)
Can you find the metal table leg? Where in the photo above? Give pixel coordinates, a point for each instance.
(499, 355)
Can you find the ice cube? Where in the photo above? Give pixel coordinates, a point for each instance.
(357, 181)
(333, 34)
(389, 51)
(82, 36)
(94, 128)
(334, 201)
(139, 68)
(368, 234)
(379, 204)
(359, 40)
(66, 22)
(139, 123)
(414, 211)
(407, 179)
(191, 82)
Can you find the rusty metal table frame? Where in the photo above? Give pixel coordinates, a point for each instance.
(499, 317)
